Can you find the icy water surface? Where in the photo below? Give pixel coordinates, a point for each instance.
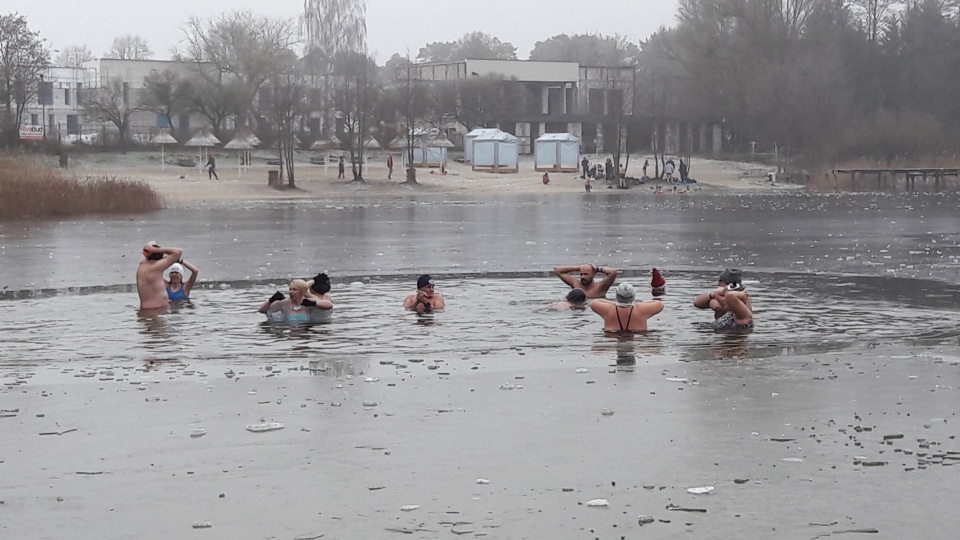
(825, 271)
(488, 322)
(904, 235)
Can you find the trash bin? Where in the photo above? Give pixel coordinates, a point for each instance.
(64, 160)
(273, 178)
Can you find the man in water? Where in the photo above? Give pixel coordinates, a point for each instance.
(575, 299)
(730, 302)
(426, 300)
(150, 284)
(585, 281)
(626, 315)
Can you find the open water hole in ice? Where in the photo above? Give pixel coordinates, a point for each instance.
(489, 322)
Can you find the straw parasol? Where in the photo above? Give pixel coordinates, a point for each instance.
(162, 138)
(241, 144)
(202, 140)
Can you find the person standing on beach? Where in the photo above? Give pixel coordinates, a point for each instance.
(668, 169)
(426, 300)
(585, 281)
(389, 166)
(585, 164)
(646, 163)
(150, 284)
(340, 168)
(626, 315)
(211, 166)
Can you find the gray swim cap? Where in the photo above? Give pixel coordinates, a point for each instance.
(625, 295)
(730, 275)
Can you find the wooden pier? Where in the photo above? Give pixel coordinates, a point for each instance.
(909, 176)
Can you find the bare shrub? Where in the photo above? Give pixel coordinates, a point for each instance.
(30, 190)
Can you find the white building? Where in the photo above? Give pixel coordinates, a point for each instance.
(58, 105)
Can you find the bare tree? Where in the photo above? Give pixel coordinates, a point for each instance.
(284, 97)
(232, 56)
(164, 93)
(215, 100)
(413, 101)
(333, 26)
(112, 103)
(75, 56)
(356, 95)
(872, 13)
(23, 59)
(129, 47)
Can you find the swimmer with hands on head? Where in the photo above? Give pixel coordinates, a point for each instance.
(626, 315)
(585, 281)
(150, 284)
(176, 288)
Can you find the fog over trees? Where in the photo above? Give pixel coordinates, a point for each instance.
(823, 80)
(827, 78)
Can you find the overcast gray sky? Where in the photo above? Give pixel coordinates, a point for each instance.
(392, 25)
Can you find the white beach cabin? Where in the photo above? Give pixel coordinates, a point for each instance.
(496, 152)
(558, 152)
(472, 136)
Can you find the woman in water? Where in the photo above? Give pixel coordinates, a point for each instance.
(302, 306)
(176, 288)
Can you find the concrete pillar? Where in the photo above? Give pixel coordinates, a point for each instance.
(545, 99)
(702, 147)
(717, 139)
(600, 144)
(575, 129)
(523, 133)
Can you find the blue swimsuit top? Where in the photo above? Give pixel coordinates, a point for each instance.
(179, 294)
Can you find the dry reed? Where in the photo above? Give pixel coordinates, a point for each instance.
(28, 189)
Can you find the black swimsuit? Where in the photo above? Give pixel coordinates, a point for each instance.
(622, 329)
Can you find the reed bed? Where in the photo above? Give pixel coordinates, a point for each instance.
(28, 189)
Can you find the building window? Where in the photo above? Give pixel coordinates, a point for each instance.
(34, 119)
(66, 96)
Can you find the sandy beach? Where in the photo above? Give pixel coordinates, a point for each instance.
(180, 185)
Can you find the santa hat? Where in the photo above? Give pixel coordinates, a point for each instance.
(657, 280)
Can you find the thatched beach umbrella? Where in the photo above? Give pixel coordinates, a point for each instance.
(241, 144)
(201, 140)
(162, 138)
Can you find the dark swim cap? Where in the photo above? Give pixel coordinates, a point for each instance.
(321, 284)
(731, 275)
(576, 296)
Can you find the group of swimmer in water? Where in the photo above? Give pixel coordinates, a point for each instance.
(310, 301)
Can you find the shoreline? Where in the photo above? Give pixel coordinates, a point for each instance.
(182, 185)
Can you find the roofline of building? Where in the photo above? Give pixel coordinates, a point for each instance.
(579, 65)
